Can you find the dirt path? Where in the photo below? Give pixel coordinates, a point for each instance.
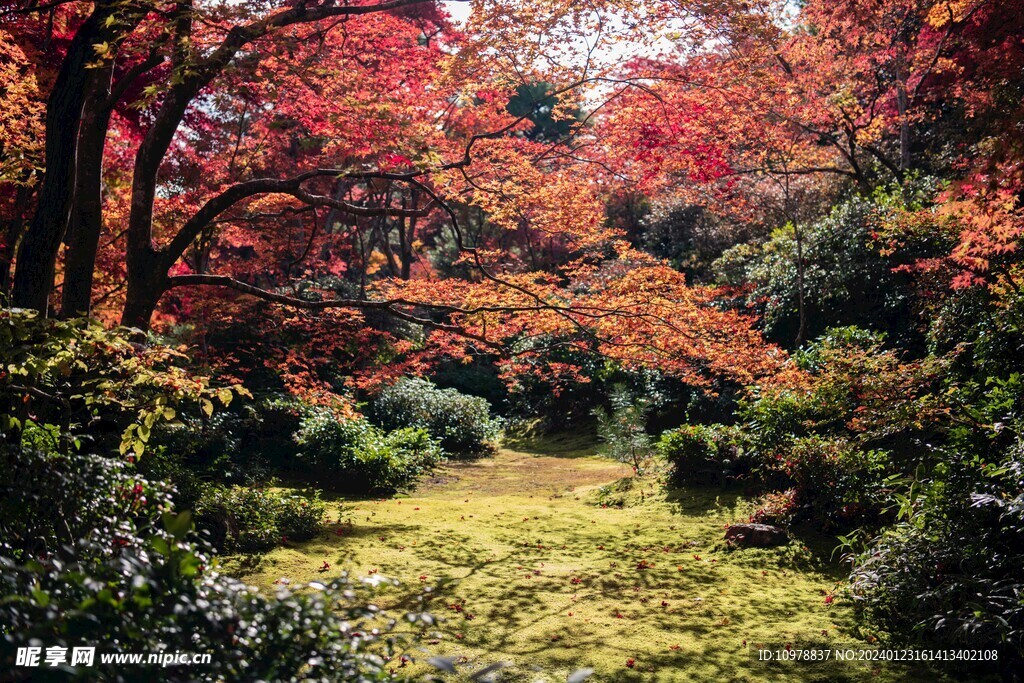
(535, 571)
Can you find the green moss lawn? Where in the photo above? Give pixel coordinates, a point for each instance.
(535, 563)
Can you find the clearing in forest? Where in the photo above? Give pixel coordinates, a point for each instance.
(557, 560)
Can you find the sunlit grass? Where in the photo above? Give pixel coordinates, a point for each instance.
(529, 568)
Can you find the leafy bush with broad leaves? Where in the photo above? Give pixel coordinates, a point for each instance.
(837, 439)
(706, 453)
(196, 451)
(355, 455)
(278, 417)
(462, 424)
(94, 384)
(846, 281)
(253, 519)
(839, 366)
(118, 571)
(836, 483)
(949, 573)
(51, 502)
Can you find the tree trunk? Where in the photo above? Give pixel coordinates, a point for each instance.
(12, 233)
(801, 333)
(148, 266)
(37, 255)
(407, 238)
(86, 221)
(147, 282)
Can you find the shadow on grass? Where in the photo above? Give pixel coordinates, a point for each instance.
(815, 547)
(581, 442)
(521, 571)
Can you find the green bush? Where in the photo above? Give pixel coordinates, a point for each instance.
(96, 387)
(355, 455)
(195, 451)
(53, 503)
(243, 519)
(115, 569)
(949, 574)
(188, 480)
(462, 424)
(300, 517)
(706, 453)
(279, 417)
(846, 281)
(836, 483)
(841, 440)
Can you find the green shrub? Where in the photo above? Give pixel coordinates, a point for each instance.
(949, 574)
(279, 417)
(354, 455)
(195, 451)
(189, 480)
(402, 458)
(835, 482)
(624, 429)
(243, 519)
(846, 281)
(300, 517)
(841, 437)
(462, 424)
(95, 386)
(52, 503)
(119, 572)
(706, 453)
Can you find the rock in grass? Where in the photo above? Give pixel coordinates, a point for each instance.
(756, 535)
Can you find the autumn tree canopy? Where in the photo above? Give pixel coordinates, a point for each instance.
(313, 154)
(377, 157)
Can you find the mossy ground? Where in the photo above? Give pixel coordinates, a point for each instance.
(534, 563)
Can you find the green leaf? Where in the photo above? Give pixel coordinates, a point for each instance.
(42, 598)
(177, 525)
(160, 545)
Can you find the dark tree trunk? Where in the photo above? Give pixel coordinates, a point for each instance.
(37, 255)
(801, 334)
(86, 221)
(12, 233)
(148, 265)
(406, 238)
(147, 282)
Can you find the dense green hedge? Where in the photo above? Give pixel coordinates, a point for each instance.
(950, 572)
(462, 424)
(354, 455)
(706, 453)
(252, 519)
